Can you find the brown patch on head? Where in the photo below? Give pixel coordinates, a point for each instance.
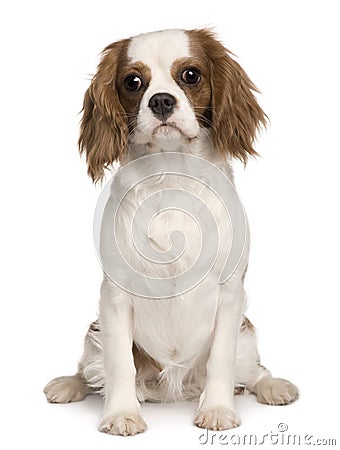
(131, 100)
(199, 95)
(235, 113)
(109, 110)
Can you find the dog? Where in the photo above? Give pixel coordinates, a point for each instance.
(179, 93)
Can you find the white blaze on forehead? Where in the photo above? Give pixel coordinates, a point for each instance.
(159, 48)
(158, 51)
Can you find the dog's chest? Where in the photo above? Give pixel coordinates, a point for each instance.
(172, 224)
(177, 330)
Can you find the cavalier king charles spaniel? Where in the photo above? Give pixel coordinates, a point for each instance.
(175, 92)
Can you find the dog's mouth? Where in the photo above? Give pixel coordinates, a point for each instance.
(170, 131)
(167, 128)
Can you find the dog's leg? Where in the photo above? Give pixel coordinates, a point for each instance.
(121, 410)
(216, 409)
(256, 378)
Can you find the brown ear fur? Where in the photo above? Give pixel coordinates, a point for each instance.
(103, 128)
(236, 115)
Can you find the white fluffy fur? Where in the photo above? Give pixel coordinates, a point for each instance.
(197, 338)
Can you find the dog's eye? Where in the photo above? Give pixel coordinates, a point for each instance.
(133, 83)
(191, 76)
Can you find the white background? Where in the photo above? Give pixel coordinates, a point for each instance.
(50, 275)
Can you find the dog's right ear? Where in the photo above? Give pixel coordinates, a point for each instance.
(103, 128)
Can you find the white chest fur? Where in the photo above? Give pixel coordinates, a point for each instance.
(175, 331)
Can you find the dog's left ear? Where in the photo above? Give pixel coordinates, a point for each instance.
(103, 128)
(236, 114)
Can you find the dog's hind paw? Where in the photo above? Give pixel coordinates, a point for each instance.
(275, 391)
(66, 389)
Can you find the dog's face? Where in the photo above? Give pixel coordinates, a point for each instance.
(163, 91)
(162, 86)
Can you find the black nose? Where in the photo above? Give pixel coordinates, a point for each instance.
(162, 105)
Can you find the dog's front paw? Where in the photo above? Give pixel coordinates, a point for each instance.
(276, 391)
(217, 419)
(123, 424)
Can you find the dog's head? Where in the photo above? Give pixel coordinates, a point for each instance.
(164, 90)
